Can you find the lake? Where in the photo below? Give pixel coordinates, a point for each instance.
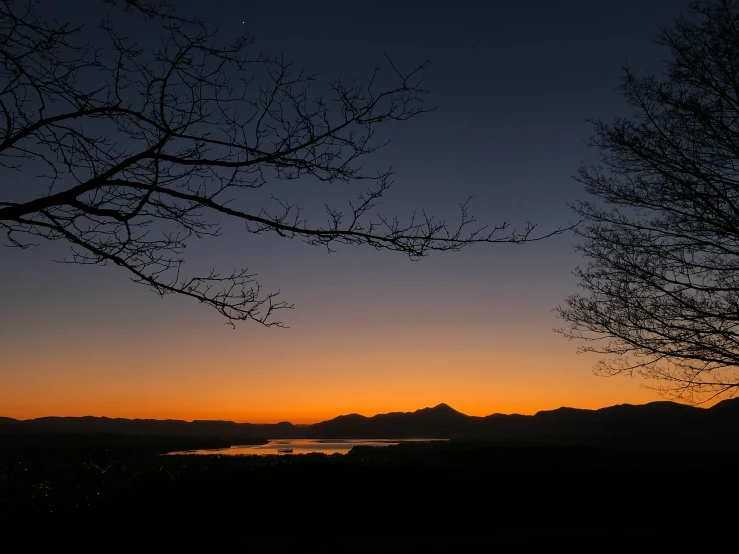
(304, 446)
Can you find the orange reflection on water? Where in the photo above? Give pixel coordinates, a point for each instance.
(303, 446)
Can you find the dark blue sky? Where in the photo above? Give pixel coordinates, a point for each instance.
(514, 82)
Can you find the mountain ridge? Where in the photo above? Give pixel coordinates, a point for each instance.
(660, 418)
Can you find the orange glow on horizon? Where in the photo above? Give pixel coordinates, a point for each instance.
(317, 372)
(312, 392)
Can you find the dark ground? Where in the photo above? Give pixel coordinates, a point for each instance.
(411, 497)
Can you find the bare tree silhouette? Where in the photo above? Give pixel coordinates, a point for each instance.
(662, 284)
(143, 149)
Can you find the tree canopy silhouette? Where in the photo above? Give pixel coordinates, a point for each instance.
(661, 235)
(142, 148)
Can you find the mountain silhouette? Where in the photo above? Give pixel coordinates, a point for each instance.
(441, 421)
(136, 427)
(655, 423)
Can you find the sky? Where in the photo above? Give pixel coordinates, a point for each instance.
(371, 331)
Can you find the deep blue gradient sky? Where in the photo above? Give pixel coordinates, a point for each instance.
(372, 331)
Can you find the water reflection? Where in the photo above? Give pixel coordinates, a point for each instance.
(304, 446)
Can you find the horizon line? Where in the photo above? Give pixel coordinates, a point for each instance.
(441, 404)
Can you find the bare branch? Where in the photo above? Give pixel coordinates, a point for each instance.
(141, 148)
(661, 289)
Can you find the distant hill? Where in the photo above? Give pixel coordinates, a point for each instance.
(440, 422)
(656, 423)
(138, 427)
(659, 421)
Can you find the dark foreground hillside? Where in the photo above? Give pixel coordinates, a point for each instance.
(432, 494)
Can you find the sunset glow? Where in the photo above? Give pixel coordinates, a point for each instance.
(200, 371)
(371, 332)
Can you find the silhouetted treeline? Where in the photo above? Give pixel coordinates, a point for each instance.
(596, 472)
(461, 487)
(62, 444)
